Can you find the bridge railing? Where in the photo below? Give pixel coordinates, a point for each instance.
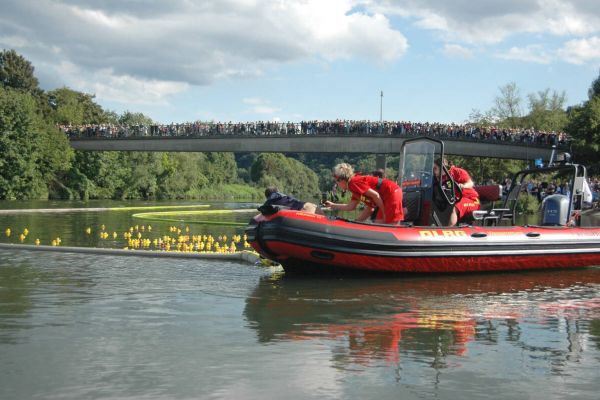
(469, 132)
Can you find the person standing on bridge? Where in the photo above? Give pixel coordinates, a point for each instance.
(377, 193)
(470, 198)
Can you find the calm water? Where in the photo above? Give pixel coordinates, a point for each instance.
(80, 326)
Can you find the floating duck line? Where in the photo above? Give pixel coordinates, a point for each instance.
(140, 240)
(96, 209)
(167, 216)
(244, 255)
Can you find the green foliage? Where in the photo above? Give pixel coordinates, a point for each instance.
(508, 106)
(36, 160)
(16, 72)
(131, 118)
(75, 108)
(527, 204)
(594, 89)
(231, 192)
(584, 127)
(483, 169)
(182, 176)
(478, 117)
(218, 168)
(546, 111)
(22, 140)
(289, 175)
(97, 175)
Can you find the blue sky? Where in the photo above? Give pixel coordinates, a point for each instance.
(292, 60)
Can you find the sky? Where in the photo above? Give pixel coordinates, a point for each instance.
(294, 60)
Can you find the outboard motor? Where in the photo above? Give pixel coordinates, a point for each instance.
(555, 210)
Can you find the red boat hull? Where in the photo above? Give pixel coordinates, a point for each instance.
(307, 242)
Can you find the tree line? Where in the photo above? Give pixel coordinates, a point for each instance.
(37, 162)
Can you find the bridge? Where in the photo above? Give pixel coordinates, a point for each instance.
(372, 143)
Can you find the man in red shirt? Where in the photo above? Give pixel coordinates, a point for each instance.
(375, 192)
(470, 198)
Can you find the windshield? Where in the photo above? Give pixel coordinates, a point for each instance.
(416, 164)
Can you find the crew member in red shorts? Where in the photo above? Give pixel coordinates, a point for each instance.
(470, 198)
(376, 193)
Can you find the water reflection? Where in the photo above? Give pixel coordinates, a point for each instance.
(550, 316)
(26, 288)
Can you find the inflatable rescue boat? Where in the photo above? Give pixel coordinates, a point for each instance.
(491, 241)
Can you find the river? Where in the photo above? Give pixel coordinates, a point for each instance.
(76, 326)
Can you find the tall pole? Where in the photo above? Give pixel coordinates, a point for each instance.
(381, 113)
(381, 108)
(380, 161)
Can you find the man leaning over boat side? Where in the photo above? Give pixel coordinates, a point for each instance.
(375, 192)
(275, 198)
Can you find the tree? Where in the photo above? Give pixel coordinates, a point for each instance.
(584, 128)
(20, 177)
(482, 169)
(181, 175)
(16, 72)
(594, 90)
(218, 168)
(479, 118)
(131, 118)
(75, 108)
(288, 174)
(99, 174)
(508, 105)
(546, 111)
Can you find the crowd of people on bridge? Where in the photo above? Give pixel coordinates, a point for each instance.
(467, 131)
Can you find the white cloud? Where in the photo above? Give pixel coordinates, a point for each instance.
(492, 21)
(137, 52)
(150, 46)
(13, 42)
(260, 106)
(455, 50)
(252, 100)
(531, 53)
(581, 51)
(119, 88)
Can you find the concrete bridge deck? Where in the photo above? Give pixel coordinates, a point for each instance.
(375, 144)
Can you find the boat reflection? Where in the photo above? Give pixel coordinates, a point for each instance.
(427, 318)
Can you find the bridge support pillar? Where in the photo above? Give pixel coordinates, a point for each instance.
(380, 161)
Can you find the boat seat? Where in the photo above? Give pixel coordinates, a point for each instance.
(492, 216)
(411, 203)
(489, 192)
